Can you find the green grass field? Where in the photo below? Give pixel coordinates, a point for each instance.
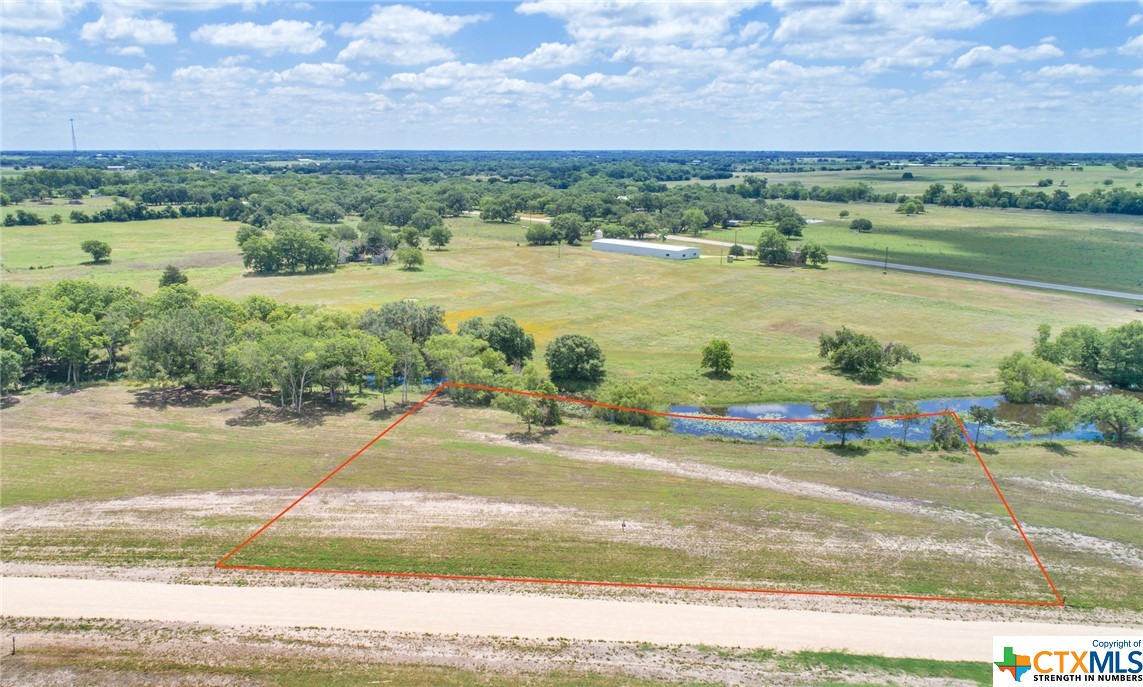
(449, 493)
(651, 317)
(889, 180)
(1096, 251)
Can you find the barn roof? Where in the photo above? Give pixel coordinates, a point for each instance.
(642, 244)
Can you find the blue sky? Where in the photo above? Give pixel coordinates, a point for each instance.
(1008, 75)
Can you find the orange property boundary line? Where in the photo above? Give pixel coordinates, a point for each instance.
(223, 565)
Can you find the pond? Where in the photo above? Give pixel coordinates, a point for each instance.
(1014, 420)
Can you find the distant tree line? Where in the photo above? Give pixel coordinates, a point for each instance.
(613, 192)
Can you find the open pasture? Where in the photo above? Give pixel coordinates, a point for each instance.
(650, 316)
(459, 491)
(1096, 251)
(885, 180)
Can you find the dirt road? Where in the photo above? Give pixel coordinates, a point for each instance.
(516, 616)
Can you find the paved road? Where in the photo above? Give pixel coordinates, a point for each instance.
(951, 273)
(502, 615)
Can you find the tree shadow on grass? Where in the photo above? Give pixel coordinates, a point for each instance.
(295, 273)
(534, 437)
(1058, 448)
(867, 379)
(913, 448)
(160, 398)
(388, 413)
(850, 450)
(721, 376)
(314, 414)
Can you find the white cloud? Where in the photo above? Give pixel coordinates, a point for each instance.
(1015, 8)
(1135, 19)
(128, 51)
(398, 34)
(283, 35)
(38, 15)
(801, 21)
(920, 53)
(1133, 46)
(594, 80)
(547, 56)
(1075, 72)
(845, 30)
(1135, 90)
(624, 22)
(215, 75)
(55, 71)
(130, 7)
(439, 76)
(1087, 53)
(122, 29)
(323, 74)
(1005, 54)
(755, 30)
(23, 45)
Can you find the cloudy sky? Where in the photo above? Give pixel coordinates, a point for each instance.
(1007, 75)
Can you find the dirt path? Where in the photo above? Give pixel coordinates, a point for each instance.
(517, 616)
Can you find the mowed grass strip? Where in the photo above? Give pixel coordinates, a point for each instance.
(1096, 251)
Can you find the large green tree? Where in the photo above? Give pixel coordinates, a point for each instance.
(418, 322)
(425, 219)
(641, 223)
(635, 395)
(409, 257)
(862, 355)
(1115, 415)
(717, 356)
(694, 220)
(575, 360)
(1121, 358)
(815, 253)
(184, 345)
(504, 335)
(497, 209)
(569, 227)
(773, 248)
(844, 422)
(99, 250)
(439, 236)
(1027, 379)
(71, 337)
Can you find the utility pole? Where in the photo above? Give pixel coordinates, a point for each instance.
(74, 147)
(885, 270)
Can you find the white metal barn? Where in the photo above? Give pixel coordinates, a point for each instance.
(654, 250)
